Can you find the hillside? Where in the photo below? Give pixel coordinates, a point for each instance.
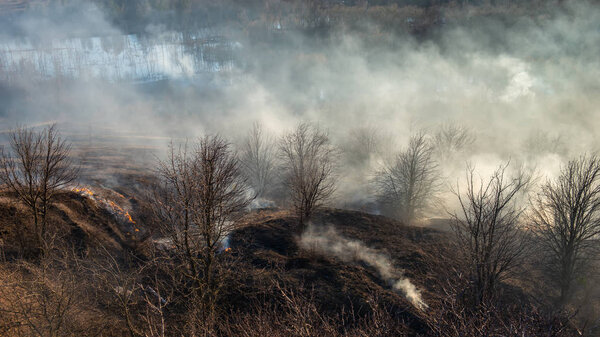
(310, 168)
(265, 248)
(266, 268)
(269, 241)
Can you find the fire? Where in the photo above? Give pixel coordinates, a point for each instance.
(227, 250)
(109, 205)
(129, 217)
(86, 192)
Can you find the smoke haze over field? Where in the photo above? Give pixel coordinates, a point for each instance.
(300, 167)
(527, 87)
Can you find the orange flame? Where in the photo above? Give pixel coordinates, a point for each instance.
(110, 205)
(227, 250)
(129, 218)
(86, 192)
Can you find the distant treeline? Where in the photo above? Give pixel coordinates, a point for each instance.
(308, 15)
(312, 16)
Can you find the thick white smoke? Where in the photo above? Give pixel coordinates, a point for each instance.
(526, 87)
(329, 241)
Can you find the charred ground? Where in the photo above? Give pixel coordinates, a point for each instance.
(267, 273)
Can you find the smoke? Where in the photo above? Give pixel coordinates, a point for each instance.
(526, 85)
(329, 241)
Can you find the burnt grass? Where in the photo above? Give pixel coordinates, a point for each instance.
(265, 253)
(265, 257)
(268, 242)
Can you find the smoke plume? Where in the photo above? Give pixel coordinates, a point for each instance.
(329, 241)
(526, 85)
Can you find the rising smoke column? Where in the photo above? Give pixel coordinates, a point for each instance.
(329, 241)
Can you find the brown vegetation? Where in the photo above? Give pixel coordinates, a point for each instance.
(100, 278)
(202, 196)
(35, 168)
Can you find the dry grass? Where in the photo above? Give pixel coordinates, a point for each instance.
(275, 288)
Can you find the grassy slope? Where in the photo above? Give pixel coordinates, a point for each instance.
(265, 249)
(269, 242)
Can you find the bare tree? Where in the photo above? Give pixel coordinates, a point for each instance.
(542, 142)
(566, 216)
(488, 229)
(406, 187)
(258, 160)
(451, 138)
(511, 314)
(308, 160)
(37, 166)
(203, 196)
(362, 144)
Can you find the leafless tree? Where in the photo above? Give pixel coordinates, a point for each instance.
(258, 160)
(362, 144)
(510, 314)
(308, 160)
(542, 142)
(488, 229)
(407, 186)
(450, 138)
(566, 216)
(202, 197)
(35, 168)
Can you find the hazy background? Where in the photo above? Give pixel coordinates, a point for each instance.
(523, 81)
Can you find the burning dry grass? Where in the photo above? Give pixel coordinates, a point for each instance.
(125, 229)
(271, 281)
(107, 204)
(91, 217)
